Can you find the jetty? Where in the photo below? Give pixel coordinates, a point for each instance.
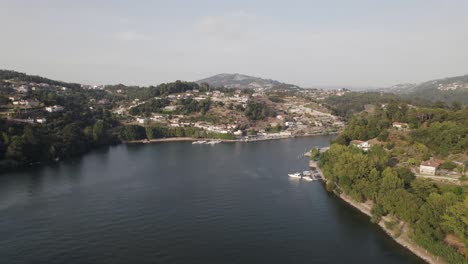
(316, 171)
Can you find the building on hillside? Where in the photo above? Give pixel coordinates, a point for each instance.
(40, 120)
(32, 102)
(400, 126)
(141, 120)
(429, 167)
(363, 145)
(55, 108)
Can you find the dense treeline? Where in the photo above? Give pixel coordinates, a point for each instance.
(150, 106)
(189, 105)
(429, 90)
(64, 135)
(135, 132)
(354, 102)
(442, 130)
(430, 212)
(257, 110)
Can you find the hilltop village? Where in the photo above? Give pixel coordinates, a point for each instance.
(258, 113)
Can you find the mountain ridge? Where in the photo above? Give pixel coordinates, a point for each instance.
(237, 80)
(447, 90)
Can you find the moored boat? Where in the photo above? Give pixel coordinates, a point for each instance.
(295, 175)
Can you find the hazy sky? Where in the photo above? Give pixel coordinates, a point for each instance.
(309, 43)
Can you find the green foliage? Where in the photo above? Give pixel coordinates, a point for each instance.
(394, 227)
(314, 154)
(383, 136)
(355, 102)
(72, 132)
(455, 219)
(431, 212)
(257, 110)
(190, 105)
(19, 76)
(423, 188)
(448, 165)
(377, 213)
(444, 137)
(132, 132)
(438, 248)
(406, 175)
(365, 127)
(429, 90)
(151, 106)
(395, 191)
(4, 100)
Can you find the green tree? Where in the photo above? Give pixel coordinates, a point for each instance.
(455, 219)
(98, 131)
(422, 188)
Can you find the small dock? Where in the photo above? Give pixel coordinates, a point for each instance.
(316, 172)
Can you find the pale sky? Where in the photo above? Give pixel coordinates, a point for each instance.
(304, 42)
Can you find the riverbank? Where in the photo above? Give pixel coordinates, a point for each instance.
(403, 239)
(181, 139)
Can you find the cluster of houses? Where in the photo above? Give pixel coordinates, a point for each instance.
(299, 118)
(16, 100)
(320, 94)
(292, 115)
(452, 86)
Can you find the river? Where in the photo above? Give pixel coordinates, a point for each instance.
(183, 203)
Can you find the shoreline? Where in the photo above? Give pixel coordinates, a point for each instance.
(188, 139)
(402, 239)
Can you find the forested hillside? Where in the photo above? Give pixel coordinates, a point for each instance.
(448, 90)
(434, 214)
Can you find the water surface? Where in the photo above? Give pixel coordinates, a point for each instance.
(183, 203)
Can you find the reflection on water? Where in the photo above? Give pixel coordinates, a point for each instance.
(179, 203)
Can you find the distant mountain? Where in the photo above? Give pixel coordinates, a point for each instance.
(448, 90)
(236, 80)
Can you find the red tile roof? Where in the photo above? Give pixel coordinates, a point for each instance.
(432, 163)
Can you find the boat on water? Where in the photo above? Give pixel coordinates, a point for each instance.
(213, 142)
(295, 175)
(306, 173)
(198, 142)
(307, 178)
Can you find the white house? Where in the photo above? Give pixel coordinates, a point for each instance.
(400, 126)
(55, 108)
(429, 167)
(363, 145)
(40, 120)
(141, 120)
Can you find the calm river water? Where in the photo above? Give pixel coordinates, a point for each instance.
(183, 203)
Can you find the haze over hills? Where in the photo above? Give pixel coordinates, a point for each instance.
(451, 89)
(236, 80)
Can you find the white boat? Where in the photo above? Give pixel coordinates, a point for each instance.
(198, 142)
(213, 142)
(307, 178)
(306, 173)
(295, 175)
